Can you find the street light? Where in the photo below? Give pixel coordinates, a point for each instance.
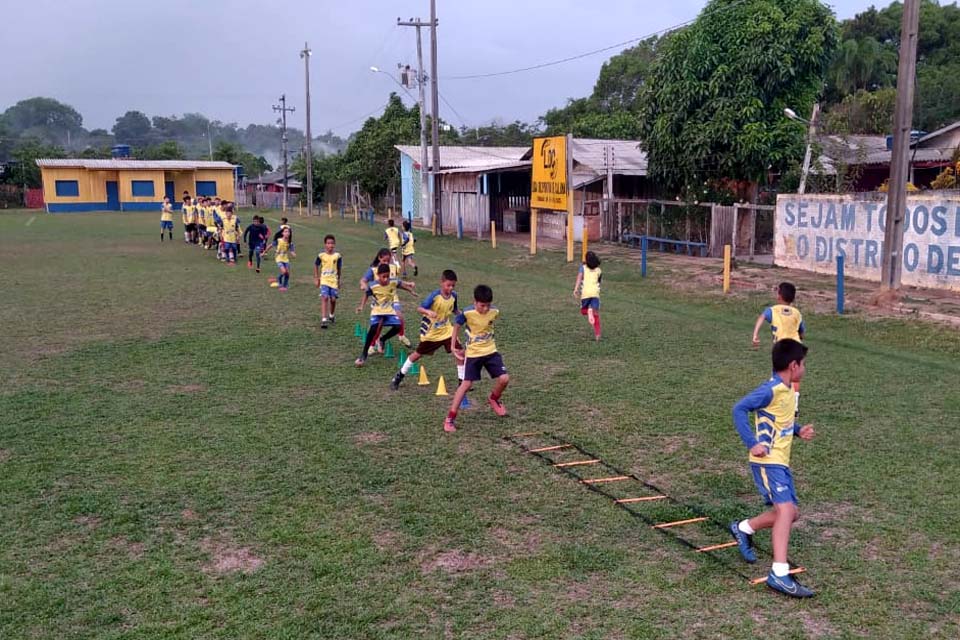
(811, 132)
(379, 70)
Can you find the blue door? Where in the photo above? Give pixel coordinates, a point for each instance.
(113, 196)
(168, 190)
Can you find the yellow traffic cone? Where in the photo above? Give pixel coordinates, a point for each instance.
(442, 388)
(423, 381)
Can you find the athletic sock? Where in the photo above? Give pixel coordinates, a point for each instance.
(403, 326)
(596, 324)
(461, 369)
(495, 396)
(452, 414)
(780, 569)
(407, 365)
(745, 527)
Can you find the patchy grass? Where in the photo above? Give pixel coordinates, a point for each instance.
(186, 454)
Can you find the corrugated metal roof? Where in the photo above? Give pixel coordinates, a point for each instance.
(628, 158)
(460, 159)
(113, 164)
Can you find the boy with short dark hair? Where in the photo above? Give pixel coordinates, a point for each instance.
(255, 235)
(786, 322)
(481, 353)
(392, 234)
(769, 444)
(382, 313)
(408, 248)
(327, 269)
(436, 327)
(166, 219)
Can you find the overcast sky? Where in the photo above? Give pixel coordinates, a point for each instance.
(231, 59)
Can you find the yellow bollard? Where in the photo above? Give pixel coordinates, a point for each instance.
(433, 224)
(493, 234)
(583, 244)
(389, 213)
(329, 210)
(726, 268)
(533, 232)
(356, 214)
(569, 236)
(300, 209)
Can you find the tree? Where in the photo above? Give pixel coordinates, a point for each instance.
(325, 170)
(132, 128)
(235, 154)
(25, 156)
(43, 119)
(716, 110)
(865, 112)
(168, 150)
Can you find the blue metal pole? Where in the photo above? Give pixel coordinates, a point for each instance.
(643, 256)
(459, 228)
(840, 284)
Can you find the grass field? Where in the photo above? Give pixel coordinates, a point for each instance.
(185, 454)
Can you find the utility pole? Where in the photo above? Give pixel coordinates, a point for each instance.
(305, 54)
(608, 161)
(426, 208)
(435, 114)
(283, 109)
(811, 134)
(892, 264)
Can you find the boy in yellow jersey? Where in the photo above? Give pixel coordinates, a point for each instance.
(166, 219)
(188, 215)
(769, 443)
(230, 235)
(385, 257)
(382, 314)
(786, 323)
(588, 284)
(481, 353)
(436, 327)
(392, 234)
(201, 220)
(408, 248)
(327, 269)
(284, 249)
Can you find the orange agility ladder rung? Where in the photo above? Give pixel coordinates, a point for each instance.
(714, 547)
(526, 435)
(576, 463)
(764, 578)
(553, 448)
(664, 525)
(643, 499)
(610, 479)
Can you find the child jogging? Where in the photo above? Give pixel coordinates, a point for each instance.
(230, 235)
(284, 251)
(255, 235)
(436, 327)
(408, 248)
(588, 285)
(382, 313)
(166, 219)
(385, 257)
(769, 444)
(786, 323)
(327, 269)
(392, 235)
(481, 353)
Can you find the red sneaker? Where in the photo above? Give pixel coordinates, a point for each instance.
(249, 265)
(449, 425)
(497, 407)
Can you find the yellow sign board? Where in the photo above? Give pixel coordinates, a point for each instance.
(548, 188)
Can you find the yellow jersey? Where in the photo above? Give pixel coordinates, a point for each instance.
(441, 328)
(479, 331)
(785, 322)
(191, 214)
(590, 285)
(407, 241)
(774, 404)
(392, 234)
(329, 265)
(382, 296)
(166, 213)
(187, 214)
(231, 230)
(283, 250)
(202, 216)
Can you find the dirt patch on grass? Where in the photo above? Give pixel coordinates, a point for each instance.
(518, 542)
(454, 561)
(186, 388)
(90, 522)
(122, 545)
(5, 454)
(225, 557)
(373, 437)
(387, 540)
(189, 515)
(816, 626)
(592, 589)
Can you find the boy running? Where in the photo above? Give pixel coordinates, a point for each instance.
(408, 248)
(166, 219)
(385, 257)
(284, 249)
(481, 354)
(436, 327)
(588, 284)
(786, 323)
(327, 269)
(230, 235)
(392, 235)
(382, 313)
(255, 235)
(769, 444)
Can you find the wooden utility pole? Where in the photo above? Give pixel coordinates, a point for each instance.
(892, 264)
(283, 109)
(305, 54)
(811, 134)
(435, 115)
(426, 203)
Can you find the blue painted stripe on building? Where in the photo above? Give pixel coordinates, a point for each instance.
(141, 206)
(76, 207)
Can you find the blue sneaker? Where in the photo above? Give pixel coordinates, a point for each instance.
(788, 586)
(744, 542)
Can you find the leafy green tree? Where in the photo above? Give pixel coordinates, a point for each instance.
(326, 168)
(25, 156)
(168, 150)
(864, 112)
(235, 154)
(44, 119)
(515, 134)
(133, 128)
(716, 109)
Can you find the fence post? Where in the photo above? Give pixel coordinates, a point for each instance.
(343, 213)
(459, 227)
(330, 210)
(726, 268)
(840, 284)
(493, 233)
(356, 214)
(643, 256)
(373, 216)
(583, 241)
(410, 219)
(533, 232)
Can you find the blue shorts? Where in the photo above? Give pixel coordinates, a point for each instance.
(231, 246)
(166, 224)
(397, 308)
(386, 321)
(774, 482)
(283, 265)
(493, 363)
(328, 292)
(590, 303)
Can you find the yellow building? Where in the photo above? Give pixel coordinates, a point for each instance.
(130, 185)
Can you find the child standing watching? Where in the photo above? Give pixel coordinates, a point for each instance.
(408, 248)
(481, 353)
(786, 323)
(327, 269)
(588, 284)
(769, 445)
(166, 219)
(382, 313)
(188, 215)
(284, 249)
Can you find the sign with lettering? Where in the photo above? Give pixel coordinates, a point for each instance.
(811, 230)
(548, 188)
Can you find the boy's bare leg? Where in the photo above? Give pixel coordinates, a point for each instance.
(458, 396)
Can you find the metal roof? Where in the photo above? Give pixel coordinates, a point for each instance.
(455, 159)
(628, 158)
(113, 164)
